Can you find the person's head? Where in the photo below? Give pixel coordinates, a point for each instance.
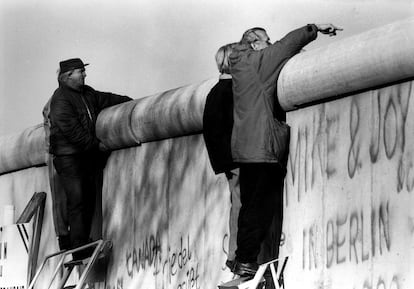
(72, 73)
(256, 37)
(222, 58)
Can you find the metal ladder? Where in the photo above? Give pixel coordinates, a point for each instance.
(101, 249)
(244, 283)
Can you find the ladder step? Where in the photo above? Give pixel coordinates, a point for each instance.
(104, 253)
(74, 263)
(233, 284)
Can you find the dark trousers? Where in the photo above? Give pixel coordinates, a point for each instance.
(60, 217)
(261, 193)
(81, 177)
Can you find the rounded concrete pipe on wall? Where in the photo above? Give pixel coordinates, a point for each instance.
(24, 150)
(372, 58)
(169, 114)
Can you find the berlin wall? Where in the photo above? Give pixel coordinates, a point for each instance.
(348, 222)
(348, 192)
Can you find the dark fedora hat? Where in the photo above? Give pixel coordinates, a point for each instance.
(71, 64)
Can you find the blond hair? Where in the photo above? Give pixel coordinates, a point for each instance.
(222, 57)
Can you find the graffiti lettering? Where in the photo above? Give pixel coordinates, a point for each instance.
(382, 284)
(191, 280)
(390, 129)
(347, 238)
(149, 254)
(312, 153)
(354, 149)
(405, 175)
(177, 259)
(334, 233)
(358, 252)
(356, 232)
(376, 123)
(317, 146)
(389, 116)
(295, 166)
(332, 129)
(309, 239)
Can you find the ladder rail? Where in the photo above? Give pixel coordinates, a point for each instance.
(274, 276)
(56, 271)
(92, 260)
(65, 277)
(277, 276)
(42, 266)
(64, 253)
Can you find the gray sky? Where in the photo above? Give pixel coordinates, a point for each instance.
(142, 47)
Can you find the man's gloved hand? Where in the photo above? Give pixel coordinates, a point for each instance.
(103, 147)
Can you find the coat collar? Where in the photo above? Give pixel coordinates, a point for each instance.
(225, 76)
(67, 87)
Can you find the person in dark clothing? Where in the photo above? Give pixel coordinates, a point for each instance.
(77, 158)
(217, 127)
(218, 116)
(255, 65)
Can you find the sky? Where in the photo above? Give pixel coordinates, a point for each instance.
(143, 47)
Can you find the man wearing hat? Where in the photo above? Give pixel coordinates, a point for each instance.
(74, 108)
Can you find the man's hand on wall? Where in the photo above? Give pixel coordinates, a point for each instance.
(103, 147)
(329, 29)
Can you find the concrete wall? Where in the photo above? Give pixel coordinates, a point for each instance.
(167, 214)
(163, 208)
(349, 221)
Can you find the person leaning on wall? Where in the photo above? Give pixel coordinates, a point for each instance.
(260, 138)
(77, 158)
(217, 127)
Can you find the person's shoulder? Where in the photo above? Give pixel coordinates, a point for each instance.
(60, 95)
(59, 92)
(57, 99)
(239, 50)
(87, 88)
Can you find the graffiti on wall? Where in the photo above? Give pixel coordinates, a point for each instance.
(176, 265)
(367, 135)
(381, 283)
(316, 143)
(355, 237)
(310, 157)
